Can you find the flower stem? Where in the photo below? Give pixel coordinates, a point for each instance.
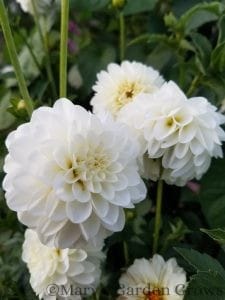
(64, 47)
(193, 85)
(126, 253)
(14, 58)
(158, 216)
(44, 43)
(122, 37)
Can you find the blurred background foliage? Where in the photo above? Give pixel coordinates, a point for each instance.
(185, 41)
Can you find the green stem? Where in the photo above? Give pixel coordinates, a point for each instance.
(64, 47)
(158, 216)
(45, 46)
(14, 58)
(181, 71)
(193, 85)
(126, 253)
(122, 37)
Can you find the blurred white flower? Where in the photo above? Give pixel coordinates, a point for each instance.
(120, 84)
(41, 5)
(179, 134)
(69, 175)
(67, 270)
(153, 279)
(74, 77)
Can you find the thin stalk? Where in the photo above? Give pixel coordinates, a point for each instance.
(122, 37)
(45, 46)
(158, 216)
(193, 85)
(14, 58)
(64, 47)
(181, 71)
(126, 253)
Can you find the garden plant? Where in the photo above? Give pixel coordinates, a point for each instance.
(112, 163)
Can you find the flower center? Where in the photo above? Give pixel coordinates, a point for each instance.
(58, 251)
(88, 168)
(97, 163)
(126, 92)
(155, 295)
(169, 122)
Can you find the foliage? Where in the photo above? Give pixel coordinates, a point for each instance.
(185, 41)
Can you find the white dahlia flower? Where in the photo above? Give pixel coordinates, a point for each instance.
(180, 135)
(154, 279)
(61, 273)
(120, 84)
(69, 175)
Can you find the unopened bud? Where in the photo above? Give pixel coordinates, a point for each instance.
(21, 105)
(118, 3)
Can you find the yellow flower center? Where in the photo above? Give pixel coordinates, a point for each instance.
(177, 119)
(169, 122)
(87, 168)
(126, 93)
(155, 295)
(58, 251)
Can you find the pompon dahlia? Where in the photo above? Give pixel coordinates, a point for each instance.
(69, 175)
(179, 135)
(120, 84)
(61, 274)
(154, 279)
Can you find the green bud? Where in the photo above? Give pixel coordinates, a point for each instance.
(118, 3)
(129, 215)
(21, 105)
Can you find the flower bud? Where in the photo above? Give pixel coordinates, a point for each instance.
(118, 3)
(21, 105)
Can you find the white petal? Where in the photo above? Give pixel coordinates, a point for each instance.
(78, 212)
(101, 206)
(90, 227)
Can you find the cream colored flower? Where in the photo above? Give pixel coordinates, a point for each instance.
(69, 175)
(154, 279)
(180, 135)
(61, 274)
(120, 84)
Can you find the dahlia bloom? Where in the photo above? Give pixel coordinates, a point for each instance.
(58, 274)
(154, 279)
(179, 136)
(69, 175)
(120, 84)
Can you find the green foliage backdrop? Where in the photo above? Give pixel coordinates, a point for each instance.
(185, 41)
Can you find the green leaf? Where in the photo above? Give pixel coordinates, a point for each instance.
(218, 58)
(216, 84)
(205, 286)
(217, 234)
(203, 51)
(221, 26)
(150, 39)
(212, 195)
(134, 7)
(6, 119)
(160, 56)
(170, 20)
(201, 262)
(199, 15)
